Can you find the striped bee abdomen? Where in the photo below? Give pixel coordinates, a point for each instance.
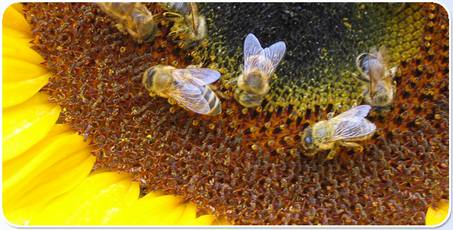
(213, 101)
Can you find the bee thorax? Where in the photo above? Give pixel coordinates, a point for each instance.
(254, 82)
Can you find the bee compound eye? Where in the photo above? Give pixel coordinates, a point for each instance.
(149, 77)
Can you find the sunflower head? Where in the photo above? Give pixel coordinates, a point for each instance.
(247, 165)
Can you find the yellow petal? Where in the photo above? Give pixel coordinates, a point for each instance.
(172, 217)
(25, 124)
(93, 202)
(220, 221)
(17, 92)
(45, 185)
(19, 48)
(15, 33)
(21, 216)
(60, 178)
(14, 19)
(114, 218)
(25, 170)
(58, 129)
(150, 210)
(18, 6)
(437, 215)
(189, 217)
(205, 220)
(20, 70)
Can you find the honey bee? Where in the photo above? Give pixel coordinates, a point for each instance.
(132, 17)
(189, 26)
(343, 130)
(187, 87)
(259, 65)
(380, 89)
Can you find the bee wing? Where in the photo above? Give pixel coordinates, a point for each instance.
(188, 92)
(252, 51)
(252, 46)
(274, 53)
(205, 75)
(383, 55)
(265, 60)
(360, 111)
(355, 127)
(192, 102)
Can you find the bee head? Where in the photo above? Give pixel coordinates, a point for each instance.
(158, 78)
(383, 95)
(147, 30)
(382, 100)
(145, 25)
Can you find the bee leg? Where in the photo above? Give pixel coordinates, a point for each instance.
(121, 28)
(172, 16)
(394, 85)
(365, 90)
(171, 101)
(354, 145)
(362, 77)
(158, 17)
(366, 95)
(331, 154)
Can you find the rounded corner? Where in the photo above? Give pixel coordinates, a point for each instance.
(8, 221)
(447, 217)
(443, 7)
(9, 5)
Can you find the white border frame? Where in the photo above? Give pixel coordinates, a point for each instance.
(446, 224)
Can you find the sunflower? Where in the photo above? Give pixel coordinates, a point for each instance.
(47, 177)
(47, 167)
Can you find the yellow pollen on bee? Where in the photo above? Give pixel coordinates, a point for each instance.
(171, 101)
